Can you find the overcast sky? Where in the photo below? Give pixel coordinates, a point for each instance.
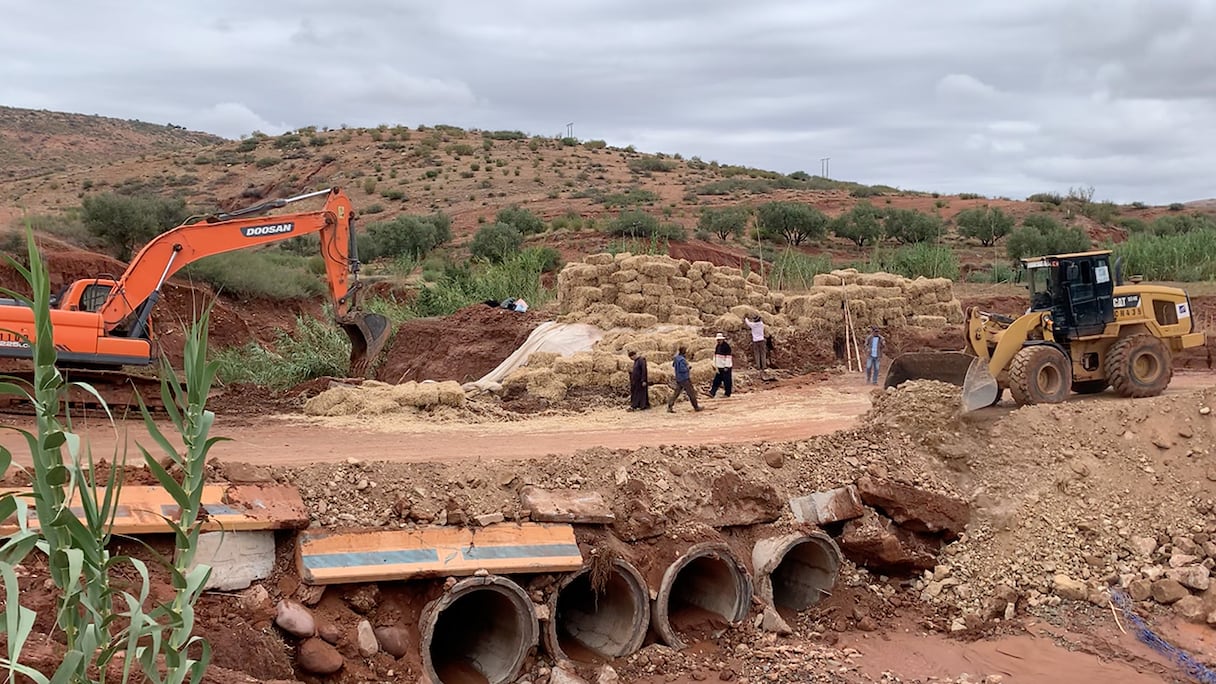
(1002, 97)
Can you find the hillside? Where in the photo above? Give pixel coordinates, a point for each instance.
(469, 175)
(37, 142)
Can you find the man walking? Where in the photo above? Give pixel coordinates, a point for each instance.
(875, 344)
(759, 347)
(639, 383)
(683, 382)
(723, 361)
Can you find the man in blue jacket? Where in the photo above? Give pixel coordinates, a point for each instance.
(683, 382)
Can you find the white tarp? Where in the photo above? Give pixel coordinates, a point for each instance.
(560, 338)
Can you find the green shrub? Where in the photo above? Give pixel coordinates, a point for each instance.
(569, 142)
(522, 220)
(725, 222)
(792, 270)
(1046, 198)
(915, 260)
(794, 221)
(1139, 205)
(1133, 225)
(595, 144)
(549, 258)
(988, 225)
(461, 286)
(315, 348)
(860, 224)
(1181, 223)
(508, 135)
(407, 235)
(1102, 212)
(1042, 235)
(651, 164)
(864, 192)
(970, 196)
(266, 162)
(910, 227)
(1177, 206)
(496, 242)
(1185, 257)
(257, 274)
(393, 194)
(373, 209)
(634, 223)
(124, 223)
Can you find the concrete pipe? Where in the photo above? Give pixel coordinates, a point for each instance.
(478, 631)
(795, 571)
(701, 593)
(589, 625)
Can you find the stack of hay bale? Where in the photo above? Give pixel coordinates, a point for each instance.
(627, 291)
(640, 291)
(375, 398)
(550, 376)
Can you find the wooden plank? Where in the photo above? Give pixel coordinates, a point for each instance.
(384, 555)
(142, 509)
(565, 505)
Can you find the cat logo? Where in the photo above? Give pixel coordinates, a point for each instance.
(1127, 301)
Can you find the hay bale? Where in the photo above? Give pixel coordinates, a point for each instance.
(727, 322)
(927, 321)
(656, 290)
(659, 269)
(623, 276)
(633, 303)
(335, 401)
(826, 280)
(640, 320)
(606, 363)
(754, 278)
(602, 258)
(630, 287)
(681, 283)
(619, 379)
(546, 385)
(451, 393)
(541, 359)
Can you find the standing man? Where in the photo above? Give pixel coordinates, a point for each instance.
(874, 344)
(759, 347)
(723, 361)
(639, 384)
(683, 382)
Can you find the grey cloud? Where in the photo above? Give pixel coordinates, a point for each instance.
(1003, 97)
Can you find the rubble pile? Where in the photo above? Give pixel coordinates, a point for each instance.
(640, 291)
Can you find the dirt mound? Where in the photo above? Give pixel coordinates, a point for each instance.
(461, 347)
(928, 410)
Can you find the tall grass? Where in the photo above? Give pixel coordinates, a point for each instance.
(793, 271)
(315, 348)
(96, 615)
(1185, 257)
(268, 274)
(460, 286)
(651, 246)
(912, 261)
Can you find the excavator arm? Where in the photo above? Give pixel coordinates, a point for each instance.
(129, 304)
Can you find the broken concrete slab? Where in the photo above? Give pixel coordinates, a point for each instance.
(879, 544)
(914, 508)
(440, 551)
(831, 506)
(565, 505)
(237, 559)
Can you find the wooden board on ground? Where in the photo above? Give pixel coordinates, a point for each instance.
(142, 509)
(384, 555)
(565, 505)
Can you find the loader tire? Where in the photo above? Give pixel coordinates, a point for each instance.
(1040, 375)
(1139, 366)
(1090, 386)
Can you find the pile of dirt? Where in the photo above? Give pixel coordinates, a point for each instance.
(927, 410)
(462, 347)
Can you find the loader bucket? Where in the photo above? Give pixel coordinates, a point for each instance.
(368, 333)
(980, 389)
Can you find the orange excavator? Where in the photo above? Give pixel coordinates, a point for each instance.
(101, 325)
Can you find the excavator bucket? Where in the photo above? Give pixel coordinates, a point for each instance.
(368, 333)
(980, 389)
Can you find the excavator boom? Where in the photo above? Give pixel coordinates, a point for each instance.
(105, 323)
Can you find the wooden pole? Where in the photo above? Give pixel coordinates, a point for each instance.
(848, 351)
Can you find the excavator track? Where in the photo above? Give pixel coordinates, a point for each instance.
(121, 391)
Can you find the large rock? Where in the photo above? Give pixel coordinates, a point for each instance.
(1191, 609)
(877, 543)
(365, 637)
(916, 509)
(393, 640)
(1140, 589)
(831, 506)
(292, 617)
(318, 657)
(1068, 588)
(1168, 591)
(1194, 577)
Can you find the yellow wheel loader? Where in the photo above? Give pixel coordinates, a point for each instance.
(1085, 330)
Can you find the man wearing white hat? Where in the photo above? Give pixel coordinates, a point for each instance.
(723, 361)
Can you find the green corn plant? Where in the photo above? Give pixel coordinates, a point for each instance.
(96, 621)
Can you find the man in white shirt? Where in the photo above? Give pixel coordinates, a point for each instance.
(759, 348)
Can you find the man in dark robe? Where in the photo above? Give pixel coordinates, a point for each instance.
(639, 384)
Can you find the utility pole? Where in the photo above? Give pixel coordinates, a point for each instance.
(825, 167)
(570, 130)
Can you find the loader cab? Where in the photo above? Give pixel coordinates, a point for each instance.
(1078, 290)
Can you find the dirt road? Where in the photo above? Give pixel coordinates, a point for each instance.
(796, 409)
